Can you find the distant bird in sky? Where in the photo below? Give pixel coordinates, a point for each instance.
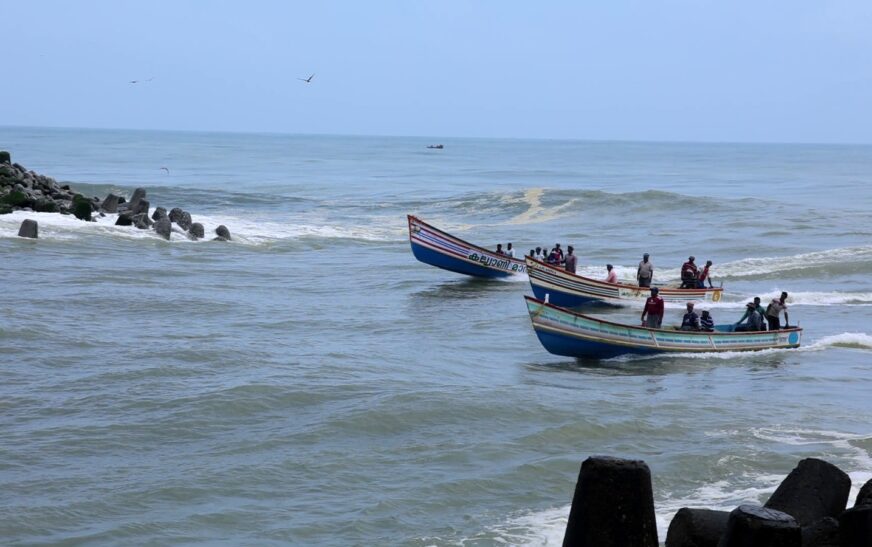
(166, 169)
(141, 81)
(307, 80)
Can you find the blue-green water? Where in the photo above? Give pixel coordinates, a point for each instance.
(311, 383)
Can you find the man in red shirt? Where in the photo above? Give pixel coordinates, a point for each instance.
(704, 274)
(652, 314)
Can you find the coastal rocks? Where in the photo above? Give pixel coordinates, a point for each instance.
(29, 228)
(223, 233)
(864, 497)
(813, 490)
(197, 231)
(855, 526)
(110, 204)
(23, 190)
(141, 221)
(697, 528)
(752, 525)
(163, 227)
(124, 219)
(613, 505)
(81, 207)
(175, 214)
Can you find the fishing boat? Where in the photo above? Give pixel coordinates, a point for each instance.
(571, 334)
(571, 290)
(432, 246)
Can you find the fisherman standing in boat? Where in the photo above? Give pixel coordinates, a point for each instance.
(703, 275)
(571, 260)
(645, 273)
(612, 277)
(774, 310)
(538, 255)
(751, 307)
(500, 250)
(652, 313)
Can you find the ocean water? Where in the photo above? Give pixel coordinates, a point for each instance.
(311, 383)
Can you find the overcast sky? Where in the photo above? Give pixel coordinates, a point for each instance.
(686, 70)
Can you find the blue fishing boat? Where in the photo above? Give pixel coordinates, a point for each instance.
(571, 334)
(571, 290)
(432, 246)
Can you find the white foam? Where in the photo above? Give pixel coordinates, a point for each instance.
(749, 267)
(243, 230)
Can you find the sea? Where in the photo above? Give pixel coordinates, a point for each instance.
(311, 383)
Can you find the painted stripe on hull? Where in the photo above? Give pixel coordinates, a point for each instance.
(577, 335)
(441, 260)
(437, 248)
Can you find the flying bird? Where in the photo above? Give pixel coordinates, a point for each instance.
(141, 81)
(307, 80)
(166, 169)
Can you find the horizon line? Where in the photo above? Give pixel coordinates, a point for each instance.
(396, 136)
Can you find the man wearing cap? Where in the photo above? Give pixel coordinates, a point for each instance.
(749, 308)
(612, 277)
(652, 313)
(645, 273)
(689, 273)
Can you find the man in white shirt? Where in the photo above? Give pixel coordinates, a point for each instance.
(510, 252)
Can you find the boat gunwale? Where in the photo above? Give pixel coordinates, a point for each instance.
(532, 263)
(667, 331)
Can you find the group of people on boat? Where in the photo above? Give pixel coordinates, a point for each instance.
(756, 318)
(751, 321)
(691, 276)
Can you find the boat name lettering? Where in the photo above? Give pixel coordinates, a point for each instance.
(494, 262)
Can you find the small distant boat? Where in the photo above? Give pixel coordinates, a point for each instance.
(436, 146)
(432, 246)
(570, 290)
(571, 334)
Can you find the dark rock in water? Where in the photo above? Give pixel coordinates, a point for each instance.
(140, 206)
(5, 157)
(159, 213)
(822, 533)
(29, 228)
(175, 214)
(121, 199)
(110, 204)
(753, 526)
(124, 219)
(223, 233)
(81, 207)
(141, 221)
(197, 231)
(185, 221)
(813, 490)
(67, 187)
(697, 528)
(865, 495)
(138, 194)
(44, 205)
(855, 526)
(613, 505)
(163, 227)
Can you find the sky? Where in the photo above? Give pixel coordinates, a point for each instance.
(660, 70)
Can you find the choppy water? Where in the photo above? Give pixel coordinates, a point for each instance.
(311, 383)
